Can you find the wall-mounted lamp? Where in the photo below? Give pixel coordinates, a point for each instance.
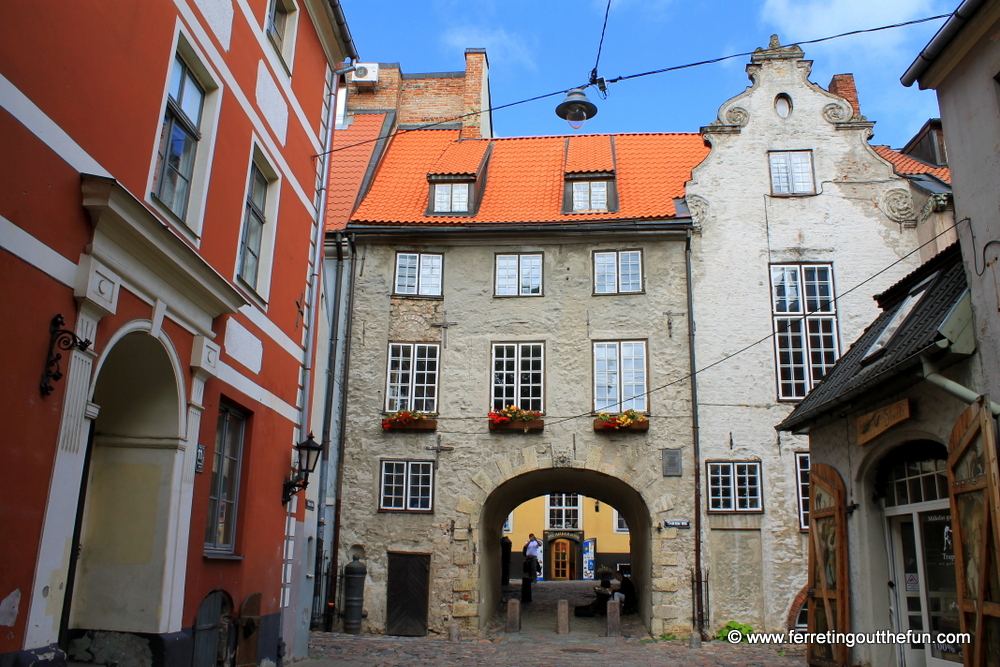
(59, 339)
(309, 451)
(576, 109)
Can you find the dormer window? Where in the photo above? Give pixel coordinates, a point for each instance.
(451, 197)
(590, 193)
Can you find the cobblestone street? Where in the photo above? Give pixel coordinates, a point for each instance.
(537, 645)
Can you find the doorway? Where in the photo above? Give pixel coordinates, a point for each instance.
(407, 594)
(563, 560)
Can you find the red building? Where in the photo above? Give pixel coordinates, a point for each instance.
(160, 205)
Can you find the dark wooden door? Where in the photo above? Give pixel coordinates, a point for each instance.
(246, 640)
(212, 644)
(407, 594)
(829, 608)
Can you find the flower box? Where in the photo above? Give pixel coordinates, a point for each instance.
(417, 425)
(408, 420)
(601, 425)
(519, 425)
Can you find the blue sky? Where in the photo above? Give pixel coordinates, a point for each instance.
(542, 46)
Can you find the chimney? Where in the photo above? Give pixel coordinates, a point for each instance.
(843, 86)
(476, 96)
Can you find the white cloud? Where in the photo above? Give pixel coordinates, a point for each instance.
(501, 46)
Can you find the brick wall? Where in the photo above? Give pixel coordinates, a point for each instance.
(843, 85)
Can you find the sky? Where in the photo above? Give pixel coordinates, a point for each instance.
(537, 47)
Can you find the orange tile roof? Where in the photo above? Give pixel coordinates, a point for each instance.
(525, 177)
(906, 165)
(353, 148)
(590, 152)
(461, 157)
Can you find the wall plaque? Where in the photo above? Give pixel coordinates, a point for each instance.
(671, 462)
(877, 422)
(676, 523)
(199, 462)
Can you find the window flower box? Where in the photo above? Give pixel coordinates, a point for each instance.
(630, 420)
(512, 418)
(407, 420)
(519, 425)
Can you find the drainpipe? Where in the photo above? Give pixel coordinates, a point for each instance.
(699, 601)
(960, 392)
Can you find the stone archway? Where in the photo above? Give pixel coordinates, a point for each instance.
(591, 483)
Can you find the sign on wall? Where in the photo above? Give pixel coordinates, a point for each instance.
(877, 422)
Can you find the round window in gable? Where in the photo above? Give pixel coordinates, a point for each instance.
(783, 105)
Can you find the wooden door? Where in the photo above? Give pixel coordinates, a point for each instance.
(407, 593)
(830, 605)
(249, 626)
(975, 516)
(212, 643)
(560, 560)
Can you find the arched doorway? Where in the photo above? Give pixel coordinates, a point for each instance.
(121, 574)
(607, 489)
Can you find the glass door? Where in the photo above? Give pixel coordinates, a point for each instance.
(560, 559)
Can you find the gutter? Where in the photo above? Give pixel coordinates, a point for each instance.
(345, 33)
(940, 41)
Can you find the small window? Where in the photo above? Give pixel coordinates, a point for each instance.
(618, 272)
(783, 105)
(518, 275)
(253, 227)
(281, 20)
(590, 195)
(792, 173)
(620, 376)
(412, 377)
(802, 481)
(407, 486)
(619, 525)
(223, 494)
(734, 487)
(508, 525)
(179, 137)
(451, 197)
(517, 375)
(418, 274)
(564, 511)
(902, 312)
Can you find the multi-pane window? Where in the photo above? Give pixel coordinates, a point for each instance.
(564, 511)
(451, 197)
(802, 480)
(619, 523)
(253, 227)
(590, 195)
(517, 375)
(617, 271)
(413, 377)
(620, 376)
(734, 487)
(179, 136)
(519, 275)
(791, 173)
(805, 326)
(418, 273)
(223, 495)
(277, 21)
(407, 486)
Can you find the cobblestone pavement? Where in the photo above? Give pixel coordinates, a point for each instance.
(537, 645)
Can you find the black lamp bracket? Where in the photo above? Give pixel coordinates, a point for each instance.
(59, 339)
(293, 486)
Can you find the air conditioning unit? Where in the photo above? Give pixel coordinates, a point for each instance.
(366, 74)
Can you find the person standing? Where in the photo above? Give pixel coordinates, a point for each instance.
(531, 567)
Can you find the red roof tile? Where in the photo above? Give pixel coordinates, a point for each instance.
(461, 157)
(590, 152)
(906, 165)
(526, 175)
(353, 148)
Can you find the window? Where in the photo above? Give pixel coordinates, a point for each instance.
(564, 511)
(407, 486)
(620, 376)
(904, 310)
(220, 531)
(805, 326)
(451, 198)
(791, 173)
(617, 272)
(281, 22)
(253, 227)
(590, 195)
(179, 136)
(418, 274)
(517, 375)
(619, 525)
(508, 525)
(734, 487)
(412, 377)
(802, 479)
(519, 275)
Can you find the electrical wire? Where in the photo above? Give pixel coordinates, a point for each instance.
(600, 45)
(623, 78)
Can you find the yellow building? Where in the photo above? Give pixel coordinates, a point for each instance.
(580, 535)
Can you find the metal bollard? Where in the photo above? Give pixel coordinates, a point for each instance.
(354, 595)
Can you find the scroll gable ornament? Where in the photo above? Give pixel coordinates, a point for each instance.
(898, 205)
(699, 209)
(737, 116)
(837, 113)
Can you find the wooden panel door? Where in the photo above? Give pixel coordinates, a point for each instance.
(974, 492)
(560, 560)
(246, 640)
(212, 643)
(407, 594)
(830, 605)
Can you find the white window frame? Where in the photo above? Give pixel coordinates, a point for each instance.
(224, 508)
(283, 43)
(514, 377)
(518, 271)
(730, 489)
(622, 263)
(508, 524)
(618, 524)
(557, 503)
(393, 382)
(618, 377)
(260, 290)
(802, 483)
(791, 172)
(451, 197)
(806, 331)
(429, 274)
(413, 476)
(590, 196)
(190, 226)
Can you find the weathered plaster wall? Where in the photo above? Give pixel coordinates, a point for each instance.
(861, 221)
(488, 474)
